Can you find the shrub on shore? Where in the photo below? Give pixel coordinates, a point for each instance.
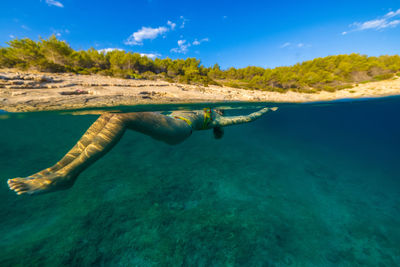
(329, 73)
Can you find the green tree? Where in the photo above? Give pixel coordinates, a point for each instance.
(56, 52)
(25, 53)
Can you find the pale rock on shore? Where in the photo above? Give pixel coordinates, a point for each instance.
(30, 91)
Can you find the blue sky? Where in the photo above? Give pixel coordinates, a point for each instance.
(231, 33)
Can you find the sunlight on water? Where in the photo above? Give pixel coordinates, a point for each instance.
(308, 185)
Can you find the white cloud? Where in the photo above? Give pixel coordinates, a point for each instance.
(171, 24)
(11, 36)
(145, 33)
(106, 50)
(183, 22)
(59, 33)
(387, 21)
(394, 23)
(182, 47)
(392, 14)
(290, 45)
(54, 3)
(224, 17)
(25, 27)
(150, 55)
(197, 42)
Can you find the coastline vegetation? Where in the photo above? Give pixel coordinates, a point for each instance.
(329, 73)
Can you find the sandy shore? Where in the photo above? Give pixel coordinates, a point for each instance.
(28, 91)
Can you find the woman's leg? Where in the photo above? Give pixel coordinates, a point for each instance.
(95, 143)
(63, 177)
(79, 147)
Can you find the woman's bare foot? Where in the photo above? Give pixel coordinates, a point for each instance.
(31, 185)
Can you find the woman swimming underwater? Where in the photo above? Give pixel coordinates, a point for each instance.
(107, 130)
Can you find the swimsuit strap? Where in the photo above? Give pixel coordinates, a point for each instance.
(189, 122)
(184, 119)
(207, 117)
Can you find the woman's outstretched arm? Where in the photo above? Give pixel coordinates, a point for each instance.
(227, 121)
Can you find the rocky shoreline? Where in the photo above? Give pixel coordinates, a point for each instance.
(34, 91)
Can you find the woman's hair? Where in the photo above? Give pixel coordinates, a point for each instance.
(218, 132)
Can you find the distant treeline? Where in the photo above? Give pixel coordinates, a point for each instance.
(328, 73)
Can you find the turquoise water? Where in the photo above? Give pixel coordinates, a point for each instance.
(308, 185)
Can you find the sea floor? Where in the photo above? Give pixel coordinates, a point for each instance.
(308, 185)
